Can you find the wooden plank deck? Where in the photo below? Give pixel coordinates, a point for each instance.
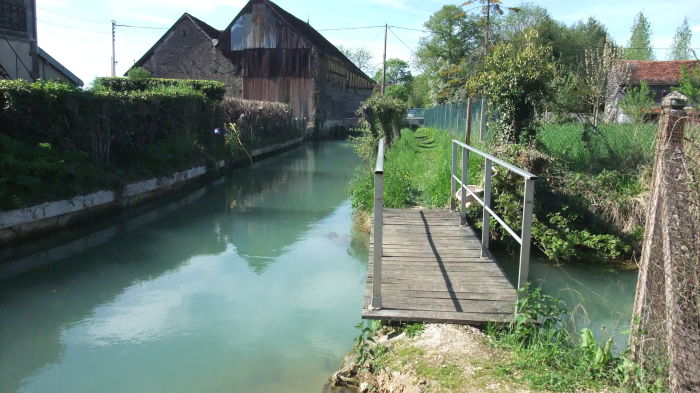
(432, 271)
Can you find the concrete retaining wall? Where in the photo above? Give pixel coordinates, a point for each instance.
(25, 222)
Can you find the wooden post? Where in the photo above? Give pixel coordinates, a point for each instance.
(468, 134)
(482, 120)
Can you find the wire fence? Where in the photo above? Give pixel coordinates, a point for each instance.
(452, 117)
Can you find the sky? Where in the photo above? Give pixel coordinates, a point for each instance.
(78, 32)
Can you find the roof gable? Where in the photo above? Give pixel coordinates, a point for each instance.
(307, 35)
(207, 31)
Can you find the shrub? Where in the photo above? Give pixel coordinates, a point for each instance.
(213, 90)
(253, 124)
(516, 82)
(382, 116)
(138, 73)
(638, 102)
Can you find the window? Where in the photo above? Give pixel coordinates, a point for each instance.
(13, 17)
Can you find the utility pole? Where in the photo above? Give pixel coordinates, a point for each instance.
(114, 59)
(386, 30)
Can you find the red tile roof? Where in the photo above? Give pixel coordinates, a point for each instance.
(658, 72)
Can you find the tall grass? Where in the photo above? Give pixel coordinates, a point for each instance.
(417, 170)
(621, 147)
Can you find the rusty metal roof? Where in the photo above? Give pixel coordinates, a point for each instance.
(658, 72)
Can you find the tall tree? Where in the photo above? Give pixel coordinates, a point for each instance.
(397, 72)
(360, 57)
(680, 48)
(450, 51)
(639, 46)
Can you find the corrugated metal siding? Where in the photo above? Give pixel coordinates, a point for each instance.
(297, 92)
(257, 27)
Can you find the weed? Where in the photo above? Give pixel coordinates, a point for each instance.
(413, 329)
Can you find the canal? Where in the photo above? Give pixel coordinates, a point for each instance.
(252, 284)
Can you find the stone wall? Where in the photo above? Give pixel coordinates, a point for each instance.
(187, 53)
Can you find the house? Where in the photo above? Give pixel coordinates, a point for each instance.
(265, 54)
(20, 55)
(661, 77)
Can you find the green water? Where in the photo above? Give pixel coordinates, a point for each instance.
(253, 284)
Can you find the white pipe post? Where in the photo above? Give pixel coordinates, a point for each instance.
(526, 232)
(485, 226)
(377, 230)
(453, 183)
(463, 202)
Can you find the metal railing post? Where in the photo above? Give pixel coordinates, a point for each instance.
(485, 226)
(453, 183)
(463, 202)
(526, 232)
(377, 230)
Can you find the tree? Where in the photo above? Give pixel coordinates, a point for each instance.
(419, 92)
(639, 46)
(637, 102)
(360, 57)
(450, 52)
(690, 84)
(680, 48)
(398, 72)
(516, 82)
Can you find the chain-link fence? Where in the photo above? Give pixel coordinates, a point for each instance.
(453, 117)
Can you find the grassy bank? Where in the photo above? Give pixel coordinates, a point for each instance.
(589, 203)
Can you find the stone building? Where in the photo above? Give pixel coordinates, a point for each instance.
(661, 77)
(265, 54)
(20, 55)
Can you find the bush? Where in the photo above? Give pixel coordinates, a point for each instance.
(638, 102)
(254, 124)
(382, 116)
(138, 73)
(213, 90)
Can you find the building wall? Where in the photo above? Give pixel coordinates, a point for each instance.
(341, 91)
(12, 63)
(18, 33)
(186, 53)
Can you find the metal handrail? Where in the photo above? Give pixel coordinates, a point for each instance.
(528, 198)
(377, 229)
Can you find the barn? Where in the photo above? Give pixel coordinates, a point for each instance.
(265, 54)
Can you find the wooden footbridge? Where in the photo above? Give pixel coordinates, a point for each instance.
(428, 265)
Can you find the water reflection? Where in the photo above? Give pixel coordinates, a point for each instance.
(252, 285)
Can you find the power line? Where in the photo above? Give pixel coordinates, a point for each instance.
(144, 27)
(409, 28)
(71, 28)
(400, 40)
(350, 28)
(73, 17)
(372, 40)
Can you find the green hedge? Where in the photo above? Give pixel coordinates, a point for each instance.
(113, 128)
(211, 89)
